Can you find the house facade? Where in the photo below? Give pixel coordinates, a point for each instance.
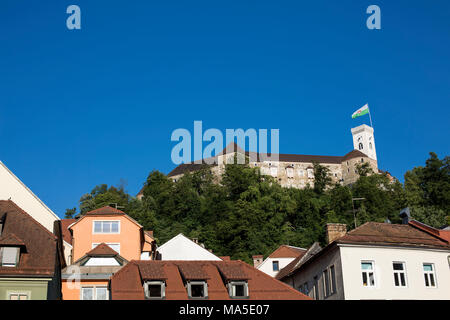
(31, 257)
(197, 280)
(374, 261)
(278, 259)
(182, 248)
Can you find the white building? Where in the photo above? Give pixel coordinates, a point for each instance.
(278, 259)
(183, 248)
(375, 261)
(11, 187)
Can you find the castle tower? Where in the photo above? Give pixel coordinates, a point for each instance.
(364, 141)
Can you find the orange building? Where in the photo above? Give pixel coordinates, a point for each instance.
(104, 239)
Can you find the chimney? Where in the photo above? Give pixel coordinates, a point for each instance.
(335, 231)
(405, 215)
(225, 258)
(257, 260)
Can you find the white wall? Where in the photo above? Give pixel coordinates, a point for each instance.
(383, 257)
(182, 248)
(12, 187)
(101, 262)
(267, 267)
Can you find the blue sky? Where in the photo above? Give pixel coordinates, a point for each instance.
(84, 107)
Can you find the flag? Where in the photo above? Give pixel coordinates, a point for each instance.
(361, 111)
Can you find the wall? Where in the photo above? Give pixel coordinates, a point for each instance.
(383, 258)
(74, 293)
(308, 272)
(35, 288)
(12, 187)
(267, 267)
(129, 237)
(182, 248)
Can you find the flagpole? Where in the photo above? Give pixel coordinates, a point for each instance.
(370, 117)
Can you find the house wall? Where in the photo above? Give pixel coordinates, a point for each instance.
(267, 265)
(36, 289)
(129, 237)
(12, 187)
(182, 248)
(384, 278)
(309, 271)
(70, 291)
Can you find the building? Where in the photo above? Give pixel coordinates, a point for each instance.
(12, 188)
(278, 259)
(197, 280)
(296, 170)
(374, 261)
(183, 248)
(111, 226)
(88, 277)
(31, 257)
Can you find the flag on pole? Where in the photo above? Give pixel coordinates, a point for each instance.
(361, 111)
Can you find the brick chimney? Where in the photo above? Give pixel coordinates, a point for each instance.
(335, 231)
(257, 260)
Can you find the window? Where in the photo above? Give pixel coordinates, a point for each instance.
(360, 146)
(18, 296)
(114, 246)
(155, 289)
(310, 173)
(274, 171)
(304, 288)
(94, 293)
(326, 283)
(370, 145)
(106, 226)
(197, 289)
(399, 274)
(368, 275)
(333, 280)
(301, 173)
(238, 289)
(290, 172)
(275, 266)
(9, 256)
(428, 272)
(316, 288)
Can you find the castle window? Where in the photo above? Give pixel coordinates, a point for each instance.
(362, 160)
(360, 146)
(310, 173)
(290, 172)
(370, 145)
(274, 171)
(301, 173)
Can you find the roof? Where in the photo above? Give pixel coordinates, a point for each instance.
(39, 258)
(11, 240)
(102, 250)
(297, 262)
(285, 251)
(354, 154)
(67, 236)
(443, 234)
(127, 283)
(374, 233)
(181, 247)
(106, 210)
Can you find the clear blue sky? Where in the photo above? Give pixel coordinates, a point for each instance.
(97, 105)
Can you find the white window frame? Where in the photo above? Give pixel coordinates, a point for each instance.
(95, 244)
(274, 171)
(147, 292)
(310, 173)
(326, 283)
(103, 221)
(233, 284)
(18, 293)
(399, 273)
(205, 289)
(94, 291)
(367, 272)
(9, 265)
(290, 172)
(428, 273)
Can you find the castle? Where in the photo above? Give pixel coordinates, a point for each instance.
(296, 170)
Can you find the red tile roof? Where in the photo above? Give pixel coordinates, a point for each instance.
(65, 223)
(39, 257)
(107, 210)
(127, 283)
(285, 251)
(102, 250)
(11, 240)
(442, 234)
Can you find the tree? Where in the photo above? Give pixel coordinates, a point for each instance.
(322, 178)
(70, 213)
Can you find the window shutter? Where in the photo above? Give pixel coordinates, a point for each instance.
(10, 256)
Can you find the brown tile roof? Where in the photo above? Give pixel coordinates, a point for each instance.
(353, 154)
(65, 223)
(107, 210)
(39, 256)
(102, 250)
(127, 283)
(11, 240)
(285, 251)
(442, 234)
(392, 234)
(297, 262)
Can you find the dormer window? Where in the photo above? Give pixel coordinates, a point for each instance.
(155, 289)
(9, 256)
(197, 289)
(238, 289)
